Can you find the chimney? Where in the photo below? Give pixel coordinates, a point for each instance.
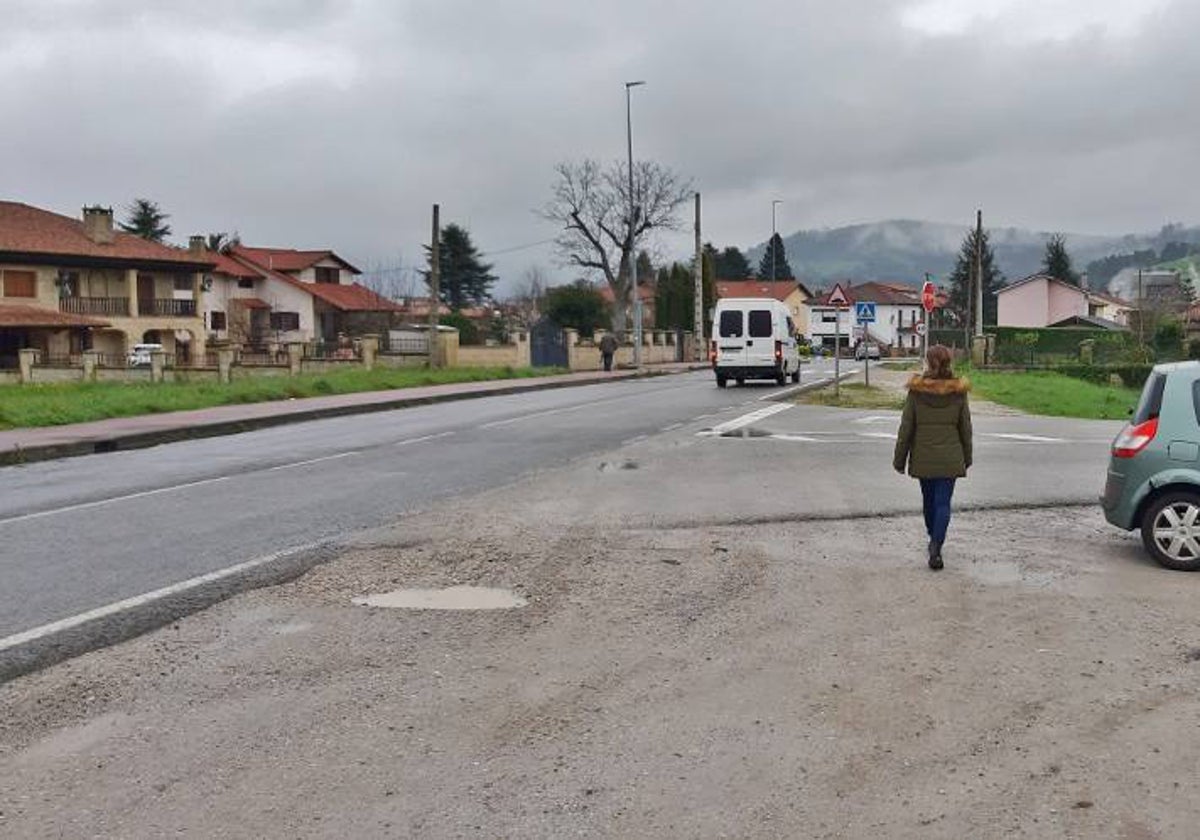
(197, 246)
(98, 224)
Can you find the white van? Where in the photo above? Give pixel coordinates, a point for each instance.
(753, 338)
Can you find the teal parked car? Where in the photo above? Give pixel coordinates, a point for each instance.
(1154, 471)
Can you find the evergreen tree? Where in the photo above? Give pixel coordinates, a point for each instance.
(675, 295)
(464, 279)
(1057, 262)
(774, 264)
(579, 305)
(223, 242)
(146, 219)
(731, 264)
(962, 293)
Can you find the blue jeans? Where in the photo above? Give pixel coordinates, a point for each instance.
(936, 494)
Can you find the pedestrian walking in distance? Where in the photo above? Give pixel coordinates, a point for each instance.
(934, 441)
(608, 348)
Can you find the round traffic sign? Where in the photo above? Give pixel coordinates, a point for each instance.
(920, 329)
(928, 296)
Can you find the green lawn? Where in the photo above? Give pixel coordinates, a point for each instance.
(853, 395)
(23, 406)
(1053, 394)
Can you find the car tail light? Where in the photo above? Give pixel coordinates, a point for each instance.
(779, 351)
(1133, 439)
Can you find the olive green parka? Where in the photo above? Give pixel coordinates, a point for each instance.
(934, 440)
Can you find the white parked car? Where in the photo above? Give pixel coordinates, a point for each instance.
(866, 351)
(753, 338)
(139, 356)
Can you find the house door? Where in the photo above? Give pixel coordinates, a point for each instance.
(145, 294)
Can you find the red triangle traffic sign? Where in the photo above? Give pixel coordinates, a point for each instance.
(838, 296)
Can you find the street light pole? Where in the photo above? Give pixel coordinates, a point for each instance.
(774, 253)
(635, 308)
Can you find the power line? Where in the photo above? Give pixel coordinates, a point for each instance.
(495, 253)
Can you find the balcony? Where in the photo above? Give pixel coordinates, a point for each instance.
(166, 308)
(113, 307)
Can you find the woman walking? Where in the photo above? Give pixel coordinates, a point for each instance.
(934, 441)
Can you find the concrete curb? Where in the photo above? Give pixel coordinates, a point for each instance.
(156, 437)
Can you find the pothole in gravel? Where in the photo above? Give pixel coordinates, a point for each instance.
(452, 598)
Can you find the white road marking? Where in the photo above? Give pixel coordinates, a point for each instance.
(1026, 438)
(422, 439)
(875, 418)
(746, 419)
(880, 435)
(113, 500)
(795, 438)
(138, 600)
(672, 427)
(565, 409)
(311, 461)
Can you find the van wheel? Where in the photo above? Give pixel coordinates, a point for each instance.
(721, 381)
(780, 378)
(796, 376)
(1171, 531)
(741, 380)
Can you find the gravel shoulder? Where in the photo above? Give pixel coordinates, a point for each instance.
(797, 679)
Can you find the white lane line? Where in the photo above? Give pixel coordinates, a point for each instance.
(100, 502)
(1026, 438)
(746, 419)
(422, 439)
(672, 427)
(311, 461)
(138, 600)
(172, 489)
(875, 418)
(552, 411)
(795, 438)
(878, 435)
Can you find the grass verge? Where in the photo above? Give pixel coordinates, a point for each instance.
(1053, 394)
(25, 406)
(854, 395)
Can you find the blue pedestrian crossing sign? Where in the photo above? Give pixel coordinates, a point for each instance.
(864, 312)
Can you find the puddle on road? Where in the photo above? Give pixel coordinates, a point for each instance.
(453, 598)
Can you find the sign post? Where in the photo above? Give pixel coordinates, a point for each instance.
(864, 313)
(837, 299)
(928, 302)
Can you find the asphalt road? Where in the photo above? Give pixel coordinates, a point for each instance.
(82, 533)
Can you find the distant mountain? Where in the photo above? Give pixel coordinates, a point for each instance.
(904, 249)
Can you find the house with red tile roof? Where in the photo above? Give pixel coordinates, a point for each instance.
(264, 296)
(791, 293)
(69, 284)
(898, 311)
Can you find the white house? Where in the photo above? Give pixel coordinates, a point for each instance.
(898, 310)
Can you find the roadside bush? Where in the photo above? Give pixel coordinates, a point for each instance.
(1168, 339)
(468, 332)
(1133, 375)
(1193, 349)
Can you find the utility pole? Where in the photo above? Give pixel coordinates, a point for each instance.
(1141, 313)
(698, 280)
(635, 301)
(435, 285)
(978, 273)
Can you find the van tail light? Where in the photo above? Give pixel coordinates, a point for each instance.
(1133, 439)
(712, 352)
(779, 351)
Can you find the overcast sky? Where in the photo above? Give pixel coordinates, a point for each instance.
(336, 123)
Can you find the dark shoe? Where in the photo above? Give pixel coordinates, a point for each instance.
(935, 556)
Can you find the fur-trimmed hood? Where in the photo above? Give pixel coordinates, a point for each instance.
(938, 387)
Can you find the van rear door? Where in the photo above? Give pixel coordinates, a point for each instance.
(731, 338)
(760, 338)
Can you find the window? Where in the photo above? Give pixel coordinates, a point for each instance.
(285, 321)
(245, 282)
(21, 284)
(828, 317)
(183, 283)
(216, 321)
(731, 324)
(328, 275)
(68, 283)
(760, 323)
(1150, 404)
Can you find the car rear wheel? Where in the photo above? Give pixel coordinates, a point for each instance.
(741, 380)
(721, 381)
(1171, 531)
(796, 376)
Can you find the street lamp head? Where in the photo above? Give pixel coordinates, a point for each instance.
(629, 85)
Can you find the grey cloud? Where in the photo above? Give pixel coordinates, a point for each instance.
(387, 107)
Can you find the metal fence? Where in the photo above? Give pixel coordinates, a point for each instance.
(404, 344)
(262, 357)
(58, 361)
(333, 351)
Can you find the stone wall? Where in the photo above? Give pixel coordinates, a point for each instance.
(658, 347)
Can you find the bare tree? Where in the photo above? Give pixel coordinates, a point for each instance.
(602, 221)
(526, 298)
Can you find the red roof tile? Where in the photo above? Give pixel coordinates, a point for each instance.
(251, 302)
(228, 265)
(887, 294)
(778, 289)
(288, 259)
(30, 230)
(350, 298)
(32, 316)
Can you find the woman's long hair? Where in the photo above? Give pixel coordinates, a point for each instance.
(938, 362)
